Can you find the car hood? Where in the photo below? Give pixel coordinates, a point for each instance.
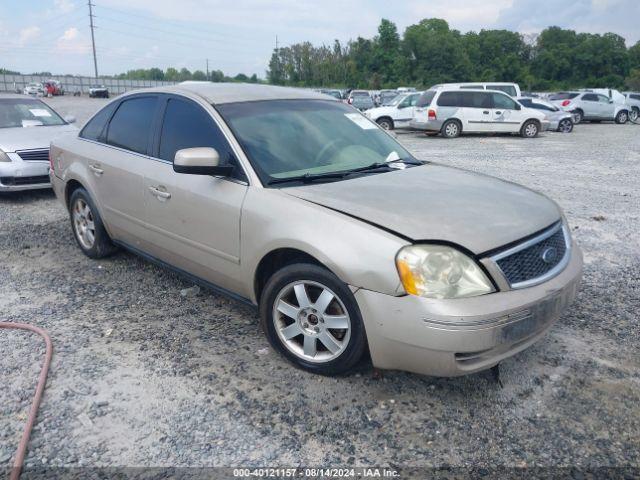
(378, 111)
(24, 138)
(434, 202)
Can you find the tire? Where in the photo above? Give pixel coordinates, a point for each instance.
(634, 114)
(578, 116)
(386, 123)
(565, 126)
(301, 289)
(94, 242)
(451, 129)
(622, 117)
(530, 129)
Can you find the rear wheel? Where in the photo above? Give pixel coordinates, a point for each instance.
(578, 116)
(88, 229)
(385, 123)
(622, 117)
(451, 129)
(565, 126)
(530, 129)
(634, 114)
(311, 317)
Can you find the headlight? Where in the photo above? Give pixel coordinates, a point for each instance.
(4, 157)
(438, 271)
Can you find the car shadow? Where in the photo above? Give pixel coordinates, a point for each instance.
(27, 196)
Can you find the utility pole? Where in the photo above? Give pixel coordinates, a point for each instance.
(93, 40)
(276, 43)
(207, 69)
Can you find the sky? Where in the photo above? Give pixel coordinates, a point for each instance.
(239, 36)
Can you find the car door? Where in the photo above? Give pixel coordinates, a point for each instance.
(591, 106)
(505, 115)
(606, 107)
(117, 167)
(405, 110)
(476, 111)
(194, 220)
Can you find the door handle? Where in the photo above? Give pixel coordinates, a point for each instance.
(486, 112)
(97, 170)
(498, 113)
(159, 193)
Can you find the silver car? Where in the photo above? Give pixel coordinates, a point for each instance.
(296, 203)
(591, 106)
(27, 126)
(559, 120)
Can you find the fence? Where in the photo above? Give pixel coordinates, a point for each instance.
(71, 84)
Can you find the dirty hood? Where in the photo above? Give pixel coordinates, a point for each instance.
(434, 202)
(25, 138)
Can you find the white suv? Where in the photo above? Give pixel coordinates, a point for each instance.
(397, 114)
(454, 111)
(592, 106)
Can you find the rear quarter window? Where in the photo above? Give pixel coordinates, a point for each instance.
(94, 129)
(508, 89)
(426, 98)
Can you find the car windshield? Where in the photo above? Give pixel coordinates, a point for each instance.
(362, 101)
(395, 99)
(290, 138)
(27, 113)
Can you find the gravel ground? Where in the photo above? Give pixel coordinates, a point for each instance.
(145, 376)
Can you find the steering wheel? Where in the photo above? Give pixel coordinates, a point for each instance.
(331, 145)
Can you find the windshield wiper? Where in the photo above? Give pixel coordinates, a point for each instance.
(310, 177)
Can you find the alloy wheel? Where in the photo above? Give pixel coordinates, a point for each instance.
(566, 126)
(83, 224)
(311, 321)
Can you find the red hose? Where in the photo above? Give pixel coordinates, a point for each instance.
(22, 446)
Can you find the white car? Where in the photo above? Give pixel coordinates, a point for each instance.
(27, 127)
(397, 114)
(452, 111)
(33, 88)
(592, 106)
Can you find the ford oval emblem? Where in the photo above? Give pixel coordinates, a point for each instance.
(549, 254)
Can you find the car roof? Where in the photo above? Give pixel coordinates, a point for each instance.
(220, 93)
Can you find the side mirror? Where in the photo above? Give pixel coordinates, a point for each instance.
(200, 161)
(70, 119)
(518, 106)
(611, 101)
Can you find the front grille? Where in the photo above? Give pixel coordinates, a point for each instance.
(11, 181)
(39, 155)
(535, 259)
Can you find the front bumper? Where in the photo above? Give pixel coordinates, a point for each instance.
(461, 336)
(18, 175)
(545, 124)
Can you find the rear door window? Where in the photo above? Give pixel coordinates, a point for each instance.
(476, 99)
(635, 97)
(450, 99)
(188, 125)
(131, 125)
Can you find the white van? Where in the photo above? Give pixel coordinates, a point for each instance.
(512, 89)
(453, 111)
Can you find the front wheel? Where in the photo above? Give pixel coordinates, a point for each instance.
(565, 126)
(311, 317)
(385, 123)
(622, 117)
(530, 129)
(88, 229)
